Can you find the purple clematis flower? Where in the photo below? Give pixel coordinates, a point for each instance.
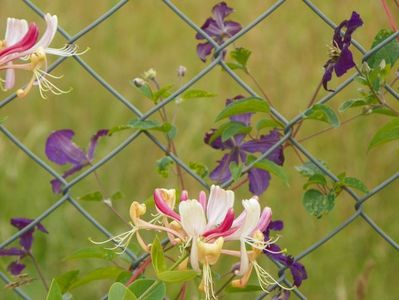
(297, 269)
(217, 28)
(239, 147)
(25, 240)
(341, 59)
(61, 150)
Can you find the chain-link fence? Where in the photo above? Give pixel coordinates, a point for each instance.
(359, 202)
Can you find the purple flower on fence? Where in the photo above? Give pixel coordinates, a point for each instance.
(63, 151)
(239, 148)
(341, 59)
(217, 28)
(274, 251)
(25, 240)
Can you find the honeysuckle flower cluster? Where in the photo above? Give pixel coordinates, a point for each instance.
(341, 59)
(208, 226)
(61, 150)
(217, 28)
(22, 49)
(239, 147)
(25, 240)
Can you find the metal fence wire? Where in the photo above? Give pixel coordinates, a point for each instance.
(218, 60)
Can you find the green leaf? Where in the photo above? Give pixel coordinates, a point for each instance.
(94, 196)
(163, 166)
(118, 128)
(157, 256)
(117, 196)
(389, 53)
(271, 167)
(111, 272)
(196, 94)
(247, 288)
(315, 179)
(240, 57)
(322, 112)
(352, 103)
(163, 92)
(119, 292)
(200, 169)
(387, 133)
(146, 90)
(65, 280)
(176, 276)
(355, 183)
(382, 110)
(54, 292)
(236, 170)
(308, 169)
(241, 106)
(265, 123)
(316, 203)
(92, 252)
(167, 128)
(234, 128)
(139, 286)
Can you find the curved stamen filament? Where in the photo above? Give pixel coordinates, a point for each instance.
(265, 279)
(208, 282)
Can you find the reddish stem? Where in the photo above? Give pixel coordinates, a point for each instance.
(389, 16)
(140, 270)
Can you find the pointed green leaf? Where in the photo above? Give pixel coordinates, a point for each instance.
(236, 170)
(196, 94)
(355, 183)
(322, 112)
(234, 128)
(111, 272)
(315, 179)
(157, 256)
(240, 57)
(241, 106)
(94, 196)
(389, 53)
(387, 133)
(316, 203)
(54, 292)
(265, 123)
(65, 280)
(146, 90)
(92, 252)
(117, 196)
(139, 286)
(119, 292)
(163, 92)
(271, 167)
(176, 276)
(308, 169)
(352, 103)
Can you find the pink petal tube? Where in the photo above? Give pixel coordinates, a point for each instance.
(163, 206)
(224, 226)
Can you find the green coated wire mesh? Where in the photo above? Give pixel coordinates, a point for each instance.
(67, 199)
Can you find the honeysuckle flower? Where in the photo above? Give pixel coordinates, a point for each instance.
(297, 269)
(217, 28)
(341, 59)
(61, 150)
(25, 240)
(239, 147)
(21, 44)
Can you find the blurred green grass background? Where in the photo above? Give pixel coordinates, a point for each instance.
(289, 50)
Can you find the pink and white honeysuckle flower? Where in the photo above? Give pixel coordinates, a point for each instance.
(21, 44)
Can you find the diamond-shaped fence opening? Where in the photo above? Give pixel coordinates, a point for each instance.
(68, 199)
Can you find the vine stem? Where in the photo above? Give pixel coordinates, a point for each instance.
(258, 86)
(242, 182)
(38, 270)
(140, 270)
(389, 15)
(225, 284)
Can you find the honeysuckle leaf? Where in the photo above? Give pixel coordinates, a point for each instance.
(389, 53)
(54, 292)
(163, 92)
(176, 276)
(318, 204)
(139, 286)
(241, 106)
(389, 132)
(65, 280)
(196, 94)
(92, 252)
(110, 272)
(94, 196)
(352, 103)
(157, 256)
(120, 292)
(322, 112)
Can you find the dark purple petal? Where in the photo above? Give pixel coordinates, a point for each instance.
(41, 228)
(264, 143)
(15, 268)
(217, 143)
(353, 23)
(20, 222)
(203, 50)
(57, 185)
(328, 70)
(277, 225)
(222, 172)
(213, 30)
(26, 239)
(61, 150)
(344, 62)
(232, 28)
(258, 181)
(298, 272)
(94, 140)
(220, 11)
(12, 252)
(242, 118)
(208, 23)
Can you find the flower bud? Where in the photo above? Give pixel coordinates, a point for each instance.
(181, 71)
(138, 82)
(150, 74)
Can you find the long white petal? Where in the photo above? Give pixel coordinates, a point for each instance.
(219, 202)
(194, 255)
(192, 217)
(244, 262)
(15, 31)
